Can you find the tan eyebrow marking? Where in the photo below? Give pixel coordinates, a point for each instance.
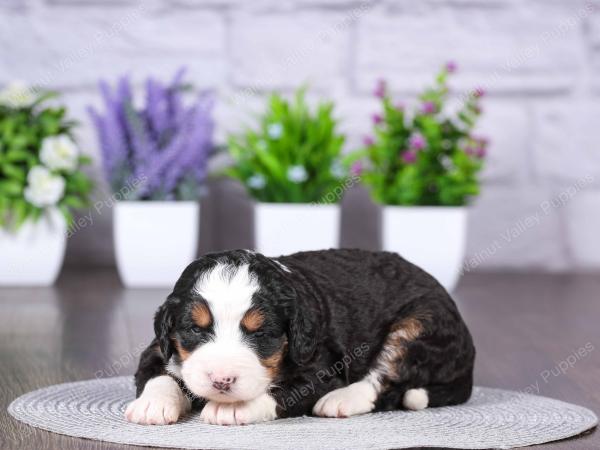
(253, 320)
(201, 315)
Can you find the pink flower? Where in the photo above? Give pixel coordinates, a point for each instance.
(428, 108)
(377, 119)
(451, 67)
(368, 141)
(481, 141)
(479, 92)
(417, 142)
(356, 169)
(409, 156)
(478, 150)
(380, 89)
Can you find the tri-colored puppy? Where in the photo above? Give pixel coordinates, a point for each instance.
(332, 333)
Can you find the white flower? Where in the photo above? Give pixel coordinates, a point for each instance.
(59, 153)
(297, 174)
(17, 95)
(275, 130)
(256, 182)
(43, 188)
(446, 162)
(337, 169)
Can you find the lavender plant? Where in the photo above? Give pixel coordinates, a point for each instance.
(162, 148)
(425, 156)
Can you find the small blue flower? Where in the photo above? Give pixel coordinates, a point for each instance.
(275, 130)
(337, 170)
(297, 174)
(256, 181)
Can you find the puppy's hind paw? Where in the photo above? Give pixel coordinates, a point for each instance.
(357, 398)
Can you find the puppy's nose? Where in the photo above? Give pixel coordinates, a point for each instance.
(222, 383)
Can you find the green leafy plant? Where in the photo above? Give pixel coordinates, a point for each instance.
(426, 157)
(39, 161)
(293, 156)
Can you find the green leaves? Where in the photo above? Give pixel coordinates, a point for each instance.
(293, 156)
(22, 131)
(10, 188)
(425, 157)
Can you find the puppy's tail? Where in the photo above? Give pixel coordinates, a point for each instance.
(416, 399)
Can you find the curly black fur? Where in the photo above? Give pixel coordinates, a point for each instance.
(331, 312)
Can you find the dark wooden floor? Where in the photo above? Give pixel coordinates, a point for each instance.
(87, 326)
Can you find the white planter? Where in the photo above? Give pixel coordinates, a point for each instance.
(155, 241)
(284, 228)
(33, 255)
(433, 238)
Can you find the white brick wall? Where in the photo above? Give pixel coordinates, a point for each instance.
(566, 147)
(284, 50)
(539, 59)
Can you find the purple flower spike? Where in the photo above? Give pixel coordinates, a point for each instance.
(165, 142)
(380, 89)
(451, 67)
(481, 152)
(428, 108)
(409, 156)
(417, 142)
(368, 141)
(479, 92)
(356, 169)
(377, 119)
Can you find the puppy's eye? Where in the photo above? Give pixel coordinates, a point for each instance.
(197, 330)
(259, 334)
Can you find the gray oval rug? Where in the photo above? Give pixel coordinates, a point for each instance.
(493, 418)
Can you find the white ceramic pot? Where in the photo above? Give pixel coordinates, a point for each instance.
(155, 241)
(284, 228)
(33, 255)
(433, 238)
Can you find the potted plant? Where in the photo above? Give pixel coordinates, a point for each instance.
(155, 161)
(40, 183)
(423, 167)
(291, 165)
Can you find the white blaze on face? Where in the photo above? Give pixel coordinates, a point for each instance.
(229, 297)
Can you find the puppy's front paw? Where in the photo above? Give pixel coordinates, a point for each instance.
(161, 403)
(161, 410)
(357, 398)
(260, 409)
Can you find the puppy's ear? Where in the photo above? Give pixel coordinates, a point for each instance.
(303, 330)
(299, 304)
(164, 322)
